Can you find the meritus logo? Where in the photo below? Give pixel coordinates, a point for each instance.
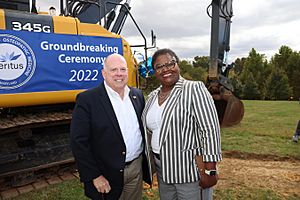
(17, 62)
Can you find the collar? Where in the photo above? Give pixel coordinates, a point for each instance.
(178, 85)
(113, 93)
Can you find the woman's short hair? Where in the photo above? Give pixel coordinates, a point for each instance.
(164, 52)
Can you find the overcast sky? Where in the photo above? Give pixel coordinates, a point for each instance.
(184, 26)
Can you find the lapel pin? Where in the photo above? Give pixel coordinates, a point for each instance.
(134, 97)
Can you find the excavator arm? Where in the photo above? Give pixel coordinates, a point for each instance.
(230, 109)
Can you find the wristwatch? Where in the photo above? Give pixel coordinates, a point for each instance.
(211, 172)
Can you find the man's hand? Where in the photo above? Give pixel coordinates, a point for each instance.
(102, 184)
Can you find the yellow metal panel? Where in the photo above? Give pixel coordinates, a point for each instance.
(37, 98)
(67, 25)
(132, 65)
(94, 30)
(64, 25)
(2, 19)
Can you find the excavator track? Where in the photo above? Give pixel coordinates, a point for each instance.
(59, 172)
(33, 147)
(10, 123)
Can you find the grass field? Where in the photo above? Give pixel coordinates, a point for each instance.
(265, 131)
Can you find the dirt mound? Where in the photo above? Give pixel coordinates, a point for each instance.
(239, 170)
(281, 176)
(253, 156)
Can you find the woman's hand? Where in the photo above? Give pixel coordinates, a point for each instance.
(207, 181)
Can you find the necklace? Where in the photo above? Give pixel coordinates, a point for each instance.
(162, 96)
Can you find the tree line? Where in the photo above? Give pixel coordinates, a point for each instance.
(253, 77)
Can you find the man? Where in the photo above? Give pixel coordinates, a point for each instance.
(297, 133)
(107, 136)
(52, 11)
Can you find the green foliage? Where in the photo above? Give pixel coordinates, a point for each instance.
(278, 86)
(192, 73)
(239, 65)
(295, 79)
(293, 72)
(149, 84)
(281, 59)
(236, 83)
(289, 61)
(185, 67)
(278, 79)
(201, 61)
(252, 77)
(250, 89)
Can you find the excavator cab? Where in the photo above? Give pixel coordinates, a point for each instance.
(230, 109)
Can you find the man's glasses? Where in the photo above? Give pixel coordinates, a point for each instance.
(168, 65)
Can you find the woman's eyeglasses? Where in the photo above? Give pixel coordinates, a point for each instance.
(169, 65)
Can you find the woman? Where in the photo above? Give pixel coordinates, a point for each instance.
(181, 120)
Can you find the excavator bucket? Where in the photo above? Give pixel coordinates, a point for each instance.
(234, 112)
(229, 108)
(230, 111)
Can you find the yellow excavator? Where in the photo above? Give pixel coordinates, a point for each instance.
(47, 59)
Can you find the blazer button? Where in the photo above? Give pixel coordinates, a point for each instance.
(121, 170)
(123, 152)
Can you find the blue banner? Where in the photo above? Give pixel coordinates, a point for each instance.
(40, 62)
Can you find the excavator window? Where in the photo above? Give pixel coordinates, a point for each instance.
(21, 5)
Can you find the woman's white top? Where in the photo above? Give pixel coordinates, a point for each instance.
(153, 122)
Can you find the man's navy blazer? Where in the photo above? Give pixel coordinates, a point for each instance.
(97, 143)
